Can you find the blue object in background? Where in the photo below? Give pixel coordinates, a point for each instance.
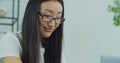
(110, 59)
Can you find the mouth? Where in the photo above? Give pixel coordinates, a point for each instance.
(48, 29)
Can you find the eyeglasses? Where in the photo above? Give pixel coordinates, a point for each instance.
(48, 18)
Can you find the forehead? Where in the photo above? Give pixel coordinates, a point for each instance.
(51, 6)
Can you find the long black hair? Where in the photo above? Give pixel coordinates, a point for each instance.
(31, 36)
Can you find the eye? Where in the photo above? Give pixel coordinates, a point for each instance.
(47, 16)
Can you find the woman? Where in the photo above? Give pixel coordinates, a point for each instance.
(41, 36)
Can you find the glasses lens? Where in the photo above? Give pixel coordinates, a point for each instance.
(48, 18)
(59, 20)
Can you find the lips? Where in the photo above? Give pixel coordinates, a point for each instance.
(47, 29)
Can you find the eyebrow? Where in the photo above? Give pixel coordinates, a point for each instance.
(52, 11)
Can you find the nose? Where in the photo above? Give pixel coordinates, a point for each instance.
(51, 23)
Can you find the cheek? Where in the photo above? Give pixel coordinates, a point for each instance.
(57, 25)
(41, 22)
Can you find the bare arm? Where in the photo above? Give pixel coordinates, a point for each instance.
(11, 60)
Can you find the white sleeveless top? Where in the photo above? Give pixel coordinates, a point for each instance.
(10, 46)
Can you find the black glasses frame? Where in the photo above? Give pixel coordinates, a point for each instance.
(62, 19)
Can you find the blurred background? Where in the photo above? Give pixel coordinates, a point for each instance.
(89, 32)
(11, 15)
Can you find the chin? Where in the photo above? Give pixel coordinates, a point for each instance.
(46, 36)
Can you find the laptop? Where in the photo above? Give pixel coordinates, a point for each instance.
(110, 59)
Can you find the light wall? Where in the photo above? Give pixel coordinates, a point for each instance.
(89, 31)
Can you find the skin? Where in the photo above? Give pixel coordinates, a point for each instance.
(51, 8)
(46, 28)
(11, 59)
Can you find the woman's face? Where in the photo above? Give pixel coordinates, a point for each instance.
(49, 16)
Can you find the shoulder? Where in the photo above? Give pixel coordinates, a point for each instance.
(9, 37)
(9, 45)
(10, 34)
